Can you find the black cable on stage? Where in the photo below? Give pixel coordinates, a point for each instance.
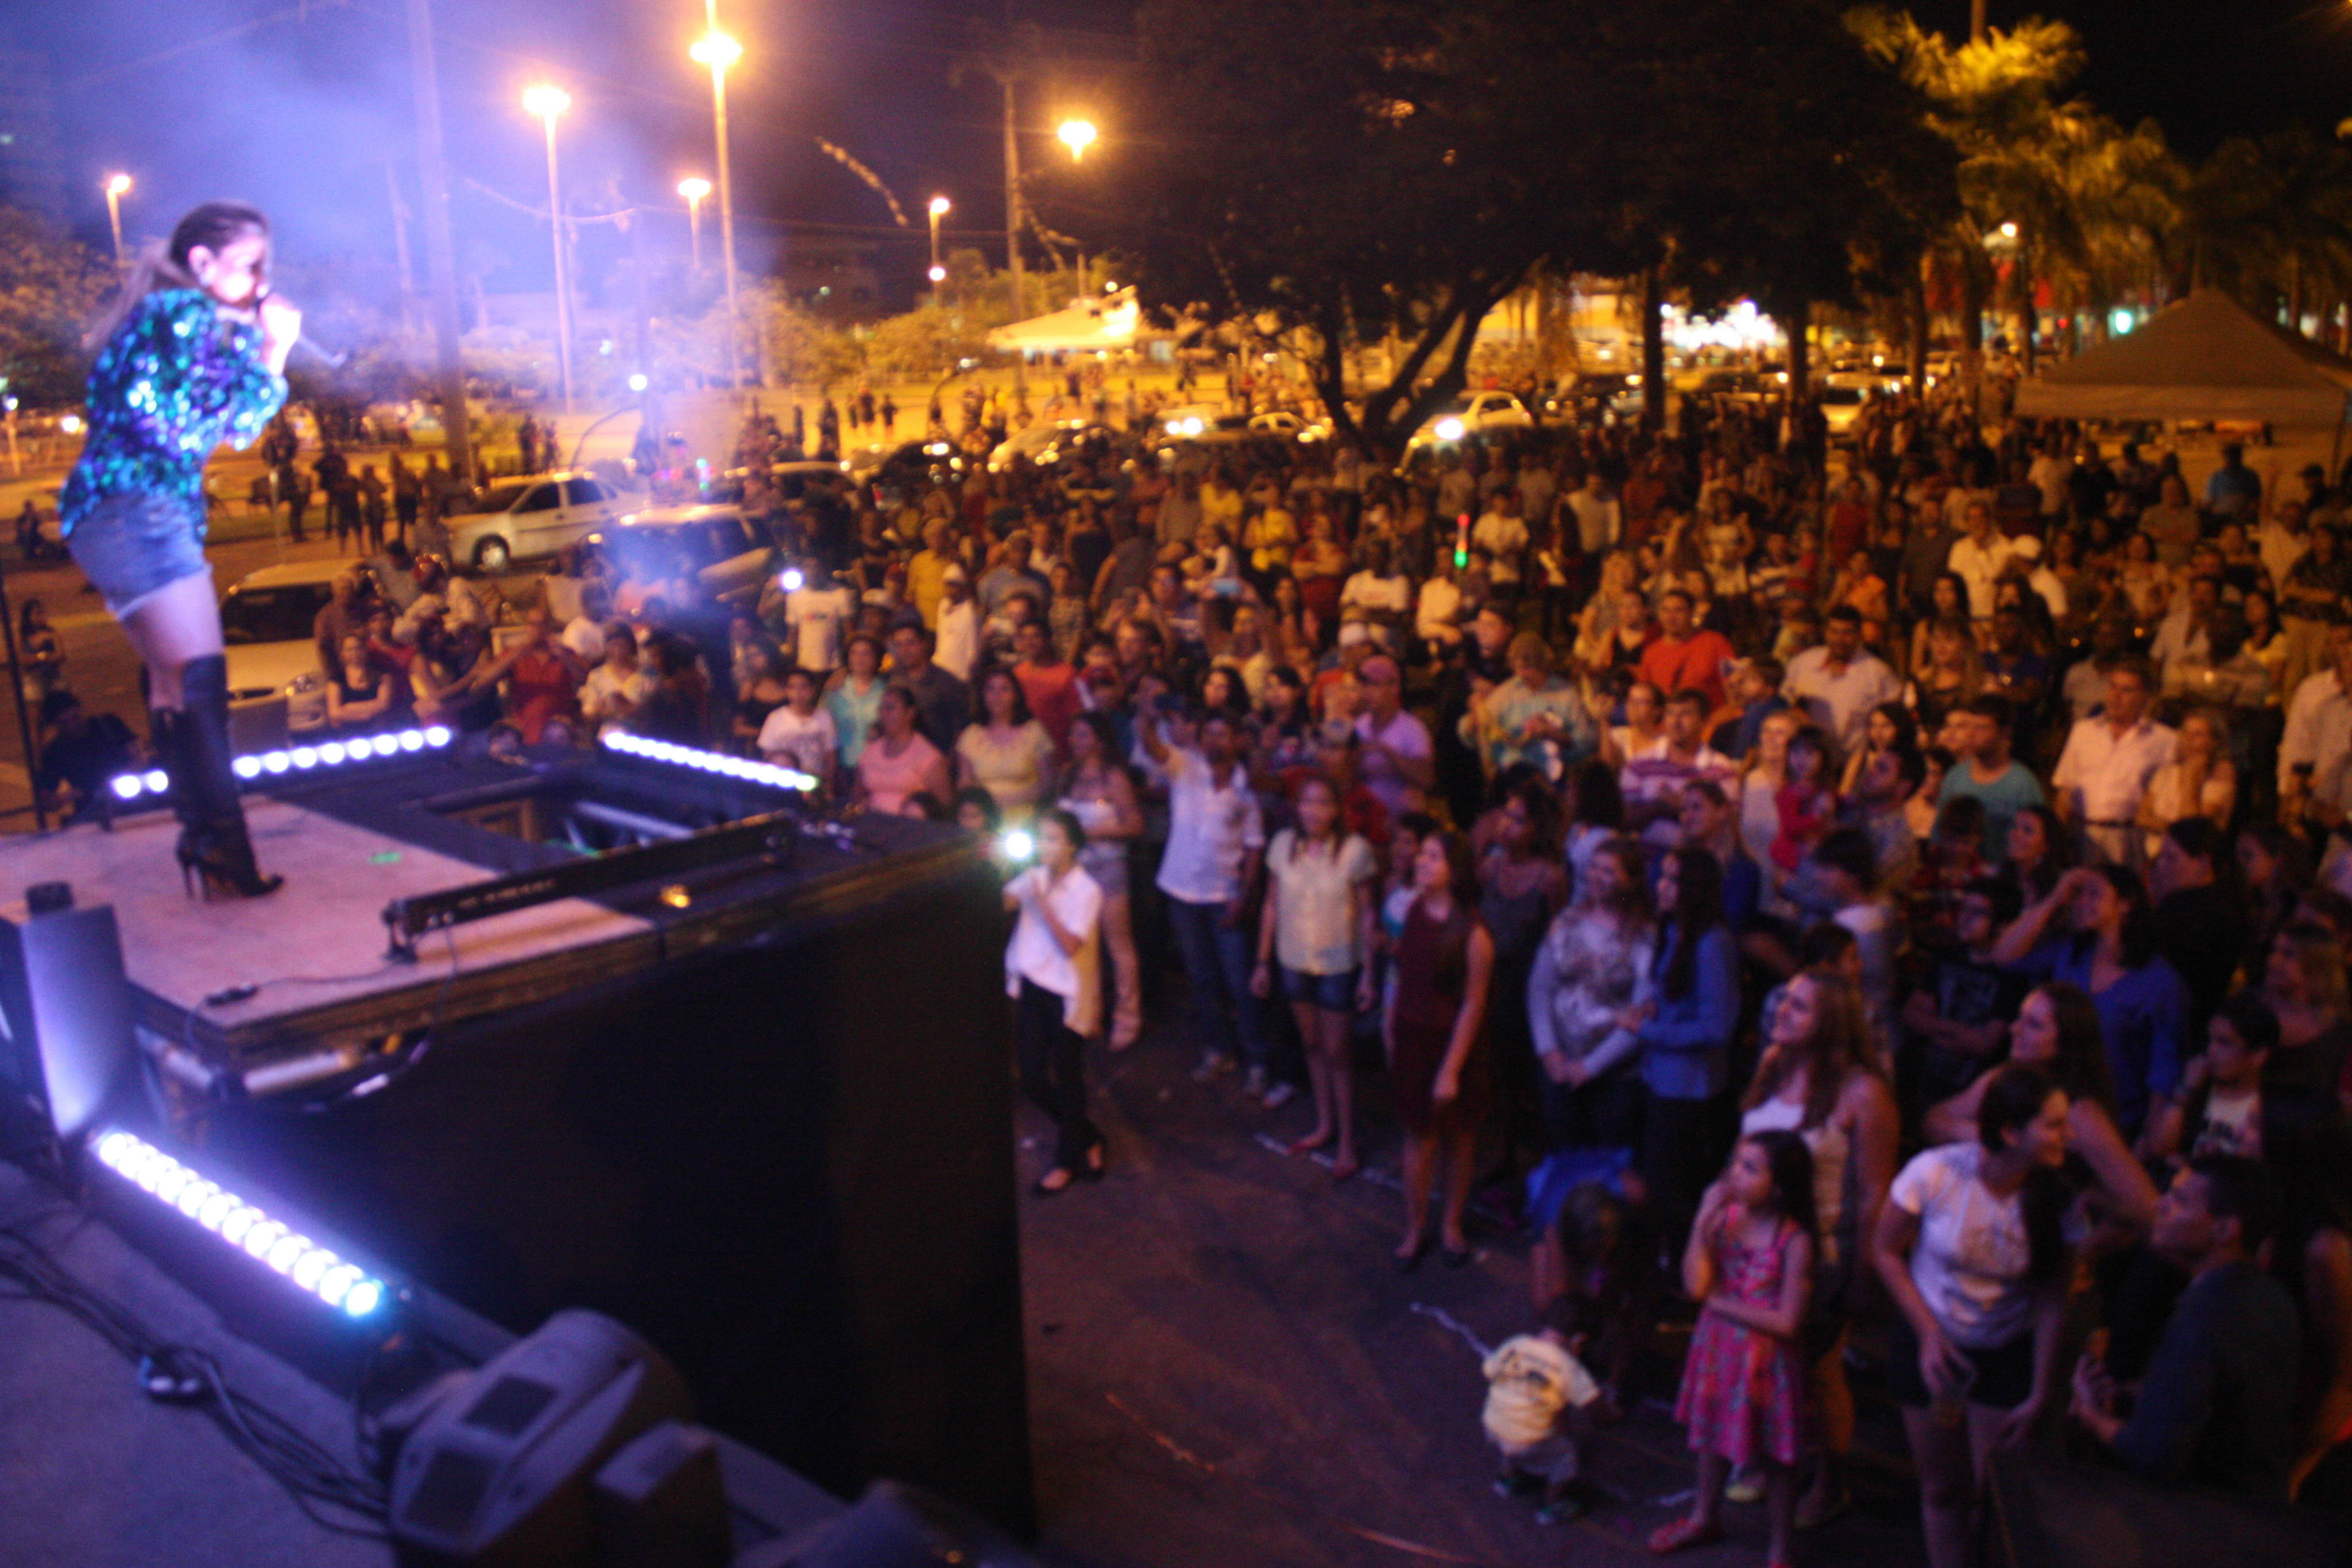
(308, 1474)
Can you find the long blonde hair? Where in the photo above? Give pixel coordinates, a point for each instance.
(163, 263)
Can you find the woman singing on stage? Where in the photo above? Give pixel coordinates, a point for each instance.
(193, 353)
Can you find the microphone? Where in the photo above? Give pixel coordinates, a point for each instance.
(332, 359)
(328, 357)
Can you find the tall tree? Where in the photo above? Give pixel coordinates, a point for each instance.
(2047, 184)
(50, 286)
(1341, 172)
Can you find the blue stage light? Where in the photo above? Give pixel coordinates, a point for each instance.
(313, 1268)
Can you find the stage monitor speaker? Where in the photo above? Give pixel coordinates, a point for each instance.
(66, 1042)
(500, 1466)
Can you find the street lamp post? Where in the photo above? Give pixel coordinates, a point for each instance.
(116, 185)
(939, 274)
(548, 101)
(1078, 135)
(719, 51)
(694, 190)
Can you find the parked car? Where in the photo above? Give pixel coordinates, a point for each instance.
(1028, 442)
(1470, 415)
(1739, 386)
(528, 518)
(791, 480)
(266, 625)
(1280, 426)
(730, 553)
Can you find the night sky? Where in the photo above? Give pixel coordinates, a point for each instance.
(302, 112)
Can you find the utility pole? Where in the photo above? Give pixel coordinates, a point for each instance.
(1976, 21)
(441, 259)
(399, 216)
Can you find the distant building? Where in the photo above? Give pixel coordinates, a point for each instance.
(32, 171)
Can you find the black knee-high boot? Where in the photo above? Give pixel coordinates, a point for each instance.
(213, 843)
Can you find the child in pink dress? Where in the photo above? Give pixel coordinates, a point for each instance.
(1749, 1265)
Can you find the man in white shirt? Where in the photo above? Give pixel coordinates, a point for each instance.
(2050, 474)
(2318, 738)
(958, 629)
(1599, 517)
(584, 632)
(1502, 533)
(2182, 633)
(1216, 837)
(1978, 556)
(1839, 681)
(1437, 613)
(819, 612)
(2107, 762)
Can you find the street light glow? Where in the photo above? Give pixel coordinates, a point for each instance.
(546, 101)
(693, 189)
(938, 275)
(1078, 135)
(116, 185)
(939, 206)
(2009, 231)
(717, 50)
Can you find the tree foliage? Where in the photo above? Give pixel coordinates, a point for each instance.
(50, 288)
(2089, 201)
(1341, 171)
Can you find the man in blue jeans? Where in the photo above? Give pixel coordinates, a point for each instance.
(1216, 837)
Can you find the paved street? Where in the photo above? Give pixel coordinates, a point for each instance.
(1224, 1368)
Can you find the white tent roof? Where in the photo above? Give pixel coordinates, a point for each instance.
(2205, 358)
(1111, 322)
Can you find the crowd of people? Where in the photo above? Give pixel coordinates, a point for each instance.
(1893, 893)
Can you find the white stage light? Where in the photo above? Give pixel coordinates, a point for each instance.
(156, 781)
(304, 757)
(436, 734)
(313, 1268)
(127, 786)
(276, 761)
(1018, 845)
(411, 740)
(248, 767)
(332, 753)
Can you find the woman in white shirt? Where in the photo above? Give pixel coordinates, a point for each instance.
(1971, 1246)
(1319, 922)
(1050, 968)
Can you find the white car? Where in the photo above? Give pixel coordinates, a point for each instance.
(266, 626)
(1843, 395)
(728, 552)
(1029, 442)
(521, 519)
(1470, 415)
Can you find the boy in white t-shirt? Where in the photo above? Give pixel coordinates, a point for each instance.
(1534, 1383)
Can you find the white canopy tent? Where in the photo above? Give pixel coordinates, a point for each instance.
(2207, 358)
(1112, 322)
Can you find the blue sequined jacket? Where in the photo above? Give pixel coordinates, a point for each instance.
(176, 379)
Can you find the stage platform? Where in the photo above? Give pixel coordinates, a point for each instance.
(753, 1103)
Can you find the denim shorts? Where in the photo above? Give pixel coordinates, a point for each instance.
(1332, 993)
(134, 543)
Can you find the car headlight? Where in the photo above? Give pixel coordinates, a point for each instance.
(1450, 429)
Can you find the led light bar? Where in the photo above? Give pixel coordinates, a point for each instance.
(342, 1285)
(298, 760)
(741, 768)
